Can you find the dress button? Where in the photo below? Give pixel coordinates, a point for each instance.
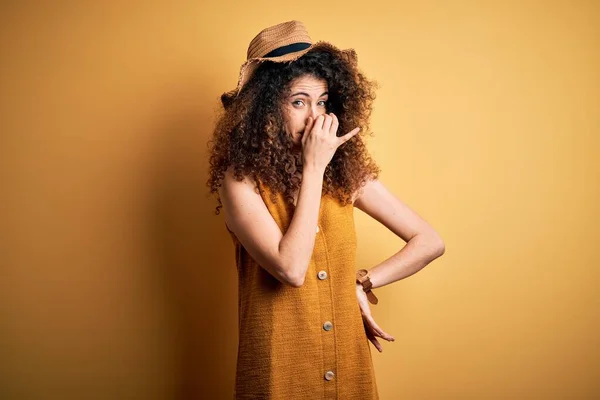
(327, 325)
(329, 375)
(322, 274)
(317, 228)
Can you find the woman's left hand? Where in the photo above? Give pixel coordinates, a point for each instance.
(371, 327)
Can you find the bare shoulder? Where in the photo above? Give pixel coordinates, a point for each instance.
(376, 200)
(248, 217)
(237, 194)
(230, 182)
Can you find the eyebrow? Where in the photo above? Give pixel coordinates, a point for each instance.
(306, 94)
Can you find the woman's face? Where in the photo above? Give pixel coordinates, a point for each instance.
(308, 99)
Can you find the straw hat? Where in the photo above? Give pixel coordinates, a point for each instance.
(283, 42)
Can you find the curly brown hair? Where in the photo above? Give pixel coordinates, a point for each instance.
(250, 137)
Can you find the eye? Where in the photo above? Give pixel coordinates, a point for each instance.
(298, 103)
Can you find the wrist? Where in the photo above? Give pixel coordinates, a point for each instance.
(311, 169)
(363, 279)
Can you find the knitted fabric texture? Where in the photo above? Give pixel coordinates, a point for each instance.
(286, 344)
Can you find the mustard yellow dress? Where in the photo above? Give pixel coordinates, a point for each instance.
(307, 342)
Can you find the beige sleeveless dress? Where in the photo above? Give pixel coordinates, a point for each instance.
(308, 342)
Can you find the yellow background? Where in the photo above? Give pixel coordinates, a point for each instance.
(118, 282)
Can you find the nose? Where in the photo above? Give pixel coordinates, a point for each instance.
(315, 111)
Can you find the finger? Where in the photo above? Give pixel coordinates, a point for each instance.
(371, 336)
(386, 336)
(334, 124)
(378, 331)
(309, 124)
(376, 343)
(327, 123)
(349, 135)
(319, 122)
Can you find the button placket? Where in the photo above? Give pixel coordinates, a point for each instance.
(327, 306)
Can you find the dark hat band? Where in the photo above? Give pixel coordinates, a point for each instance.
(290, 48)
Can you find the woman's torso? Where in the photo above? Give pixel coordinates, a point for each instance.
(307, 342)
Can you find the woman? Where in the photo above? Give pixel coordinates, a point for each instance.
(289, 166)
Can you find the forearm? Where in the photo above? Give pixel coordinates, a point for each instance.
(415, 255)
(296, 246)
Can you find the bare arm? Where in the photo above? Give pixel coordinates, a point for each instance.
(296, 246)
(285, 256)
(423, 244)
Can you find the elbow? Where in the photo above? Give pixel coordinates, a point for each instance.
(441, 250)
(296, 283)
(295, 279)
(438, 245)
(433, 244)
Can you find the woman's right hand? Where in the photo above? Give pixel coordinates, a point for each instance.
(320, 140)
